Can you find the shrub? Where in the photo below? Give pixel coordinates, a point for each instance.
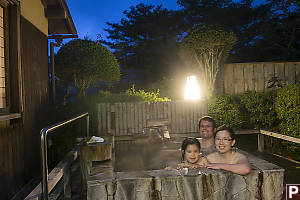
(287, 106)
(225, 110)
(260, 108)
(85, 63)
(145, 96)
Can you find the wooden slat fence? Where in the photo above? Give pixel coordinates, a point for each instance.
(237, 78)
(122, 119)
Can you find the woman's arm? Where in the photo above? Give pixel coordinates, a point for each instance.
(242, 168)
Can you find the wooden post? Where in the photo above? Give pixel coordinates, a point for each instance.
(67, 182)
(261, 143)
(52, 45)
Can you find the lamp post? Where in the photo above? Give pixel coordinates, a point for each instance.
(192, 91)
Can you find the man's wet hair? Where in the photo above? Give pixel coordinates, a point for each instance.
(209, 119)
(228, 129)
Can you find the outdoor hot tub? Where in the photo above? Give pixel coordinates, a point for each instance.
(136, 171)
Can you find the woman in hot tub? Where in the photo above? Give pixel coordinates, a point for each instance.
(226, 158)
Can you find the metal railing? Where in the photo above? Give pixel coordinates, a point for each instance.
(44, 162)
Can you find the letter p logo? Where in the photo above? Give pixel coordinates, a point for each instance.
(293, 191)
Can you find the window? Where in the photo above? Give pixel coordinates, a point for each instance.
(10, 60)
(2, 62)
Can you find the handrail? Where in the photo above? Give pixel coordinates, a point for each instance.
(261, 143)
(44, 162)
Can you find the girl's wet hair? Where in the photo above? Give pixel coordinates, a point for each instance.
(228, 129)
(186, 142)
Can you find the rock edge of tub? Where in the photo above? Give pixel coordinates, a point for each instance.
(264, 182)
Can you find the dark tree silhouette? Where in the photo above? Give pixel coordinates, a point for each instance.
(265, 32)
(146, 38)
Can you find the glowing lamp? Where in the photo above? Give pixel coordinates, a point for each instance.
(192, 91)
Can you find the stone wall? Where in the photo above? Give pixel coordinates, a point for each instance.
(265, 182)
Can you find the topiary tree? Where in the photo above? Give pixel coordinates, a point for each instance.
(209, 46)
(86, 62)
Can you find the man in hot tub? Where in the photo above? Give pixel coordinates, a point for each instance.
(207, 129)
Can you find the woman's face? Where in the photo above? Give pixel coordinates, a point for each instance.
(192, 153)
(223, 141)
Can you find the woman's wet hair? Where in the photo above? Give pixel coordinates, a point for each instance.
(228, 129)
(186, 142)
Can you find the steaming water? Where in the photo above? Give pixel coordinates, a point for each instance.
(133, 157)
(147, 156)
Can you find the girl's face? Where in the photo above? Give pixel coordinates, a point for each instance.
(192, 153)
(223, 141)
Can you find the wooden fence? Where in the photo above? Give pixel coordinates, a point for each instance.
(240, 77)
(122, 119)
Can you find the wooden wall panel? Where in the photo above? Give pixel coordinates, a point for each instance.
(238, 78)
(20, 138)
(131, 118)
(290, 74)
(259, 77)
(269, 71)
(255, 76)
(249, 77)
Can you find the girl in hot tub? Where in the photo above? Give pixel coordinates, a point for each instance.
(226, 158)
(191, 158)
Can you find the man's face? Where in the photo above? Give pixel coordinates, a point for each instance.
(206, 129)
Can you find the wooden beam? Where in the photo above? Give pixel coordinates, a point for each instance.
(54, 36)
(260, 142)
(15, 67)
(56, 174)
(10, 116)
(280, 136)
(55, 13)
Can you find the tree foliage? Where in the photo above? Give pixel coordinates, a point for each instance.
(146, 38)
(86, 62)
(287, 106)
(209, 46)
(266, 31)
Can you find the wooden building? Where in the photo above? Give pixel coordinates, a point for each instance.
(25, 27)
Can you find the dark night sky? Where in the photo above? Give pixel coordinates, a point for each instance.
(91, 16)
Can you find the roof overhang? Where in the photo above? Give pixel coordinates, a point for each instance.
(59, 18)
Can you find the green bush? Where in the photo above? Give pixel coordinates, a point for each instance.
(260, 109)
(145, 96)
(287, 106)
(225, 110)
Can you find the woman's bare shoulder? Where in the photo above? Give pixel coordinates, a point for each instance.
(212, 157)
(239, 158)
